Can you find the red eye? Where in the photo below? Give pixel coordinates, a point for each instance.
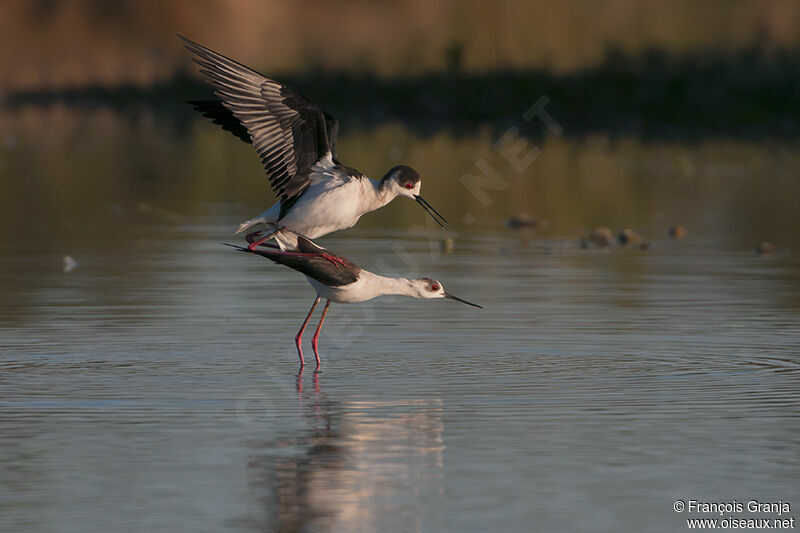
(409, 186)
(435, 287)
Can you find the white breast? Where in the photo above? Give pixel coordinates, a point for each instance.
(366, 287)
(359, 291)
(324, 209)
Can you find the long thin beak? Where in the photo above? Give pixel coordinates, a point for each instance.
(456, 298)
(431, 211)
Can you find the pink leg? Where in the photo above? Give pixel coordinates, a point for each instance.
(298, 339)
(299, 385)
(255, 243)
(319, 328)
(250, 237)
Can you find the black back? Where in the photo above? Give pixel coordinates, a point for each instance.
(313, 261)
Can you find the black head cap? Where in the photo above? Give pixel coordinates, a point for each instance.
(403, 174)
(433, 285)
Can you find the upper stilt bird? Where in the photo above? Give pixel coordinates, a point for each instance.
(296, 142)
(339, 280)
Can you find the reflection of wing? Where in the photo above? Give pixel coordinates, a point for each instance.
(340, 463)
(289, 133)
(313, 261)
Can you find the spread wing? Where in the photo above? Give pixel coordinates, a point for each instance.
(221, 116)
(224, 117)
(289, 132)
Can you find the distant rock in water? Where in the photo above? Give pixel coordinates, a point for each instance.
(628, 236)
(601, 236)
(447, 245)
(677, 232)
(524, 220)
(69, 264)
(765, 248)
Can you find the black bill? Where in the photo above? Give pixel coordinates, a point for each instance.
(456, 298)
(431, 211)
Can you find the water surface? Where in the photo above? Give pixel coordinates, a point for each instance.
(155, 387)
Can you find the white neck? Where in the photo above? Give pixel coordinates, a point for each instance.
(379, 196)
(385, 285)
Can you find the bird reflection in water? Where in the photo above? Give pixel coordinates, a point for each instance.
(359, 465)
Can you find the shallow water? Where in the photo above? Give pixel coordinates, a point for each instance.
(593, 390)
(155, 387)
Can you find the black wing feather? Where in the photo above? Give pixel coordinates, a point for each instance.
(290, 133)
(221, 116)
(333, 131)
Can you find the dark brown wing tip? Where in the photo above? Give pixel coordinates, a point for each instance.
(307, 245)
(190, 44)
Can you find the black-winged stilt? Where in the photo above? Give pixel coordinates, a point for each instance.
(338, 280)
(296, 141)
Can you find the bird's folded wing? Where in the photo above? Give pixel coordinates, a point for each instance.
(289, 132)
(325, 267)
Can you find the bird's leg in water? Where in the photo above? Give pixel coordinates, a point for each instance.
(319, 328)
(298, 339)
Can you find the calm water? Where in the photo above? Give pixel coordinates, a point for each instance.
(155, 386)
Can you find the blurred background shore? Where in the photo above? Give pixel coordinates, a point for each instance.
(660, 114)
(55, 44)
(661, 105)
(647, 68)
